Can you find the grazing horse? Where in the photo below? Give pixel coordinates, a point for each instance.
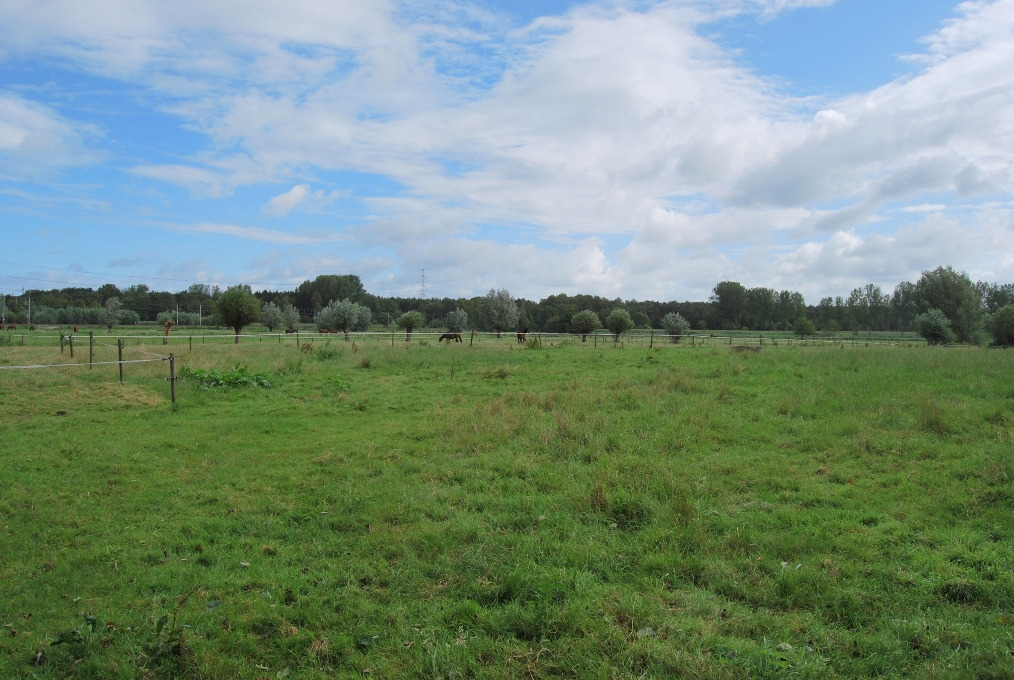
(521, 336)
(451, 337)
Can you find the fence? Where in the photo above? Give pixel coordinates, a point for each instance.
(138, 344)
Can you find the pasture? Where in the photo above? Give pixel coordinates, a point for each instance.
(501, 510)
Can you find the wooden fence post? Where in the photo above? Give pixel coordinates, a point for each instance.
(172, 377)
(91, 349)
(119, 348)
(70, 339)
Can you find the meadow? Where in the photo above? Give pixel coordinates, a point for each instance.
(555, 509)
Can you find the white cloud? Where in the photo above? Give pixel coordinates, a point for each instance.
(283, 204)
(251, 233)
(36, 141)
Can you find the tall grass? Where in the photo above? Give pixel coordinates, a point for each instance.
(419, 510)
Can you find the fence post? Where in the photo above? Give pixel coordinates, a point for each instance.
(119, 348)
(651, 342)
(70, 339)
(191, 338)
(172, 376)
(91, 349)
(61, 343)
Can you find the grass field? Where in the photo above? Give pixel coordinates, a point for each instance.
(419, 510)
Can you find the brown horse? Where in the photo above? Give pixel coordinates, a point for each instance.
(449, 337)
(521, 336)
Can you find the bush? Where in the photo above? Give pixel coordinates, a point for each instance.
(619, 322)
(585, 322)
(804, 327)
(457, 320)
(1001, 325)
(409, 321)
(935, 327)
(676, 325)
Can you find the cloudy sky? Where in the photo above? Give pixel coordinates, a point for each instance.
(642, 149)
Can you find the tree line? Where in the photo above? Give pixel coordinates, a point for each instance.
(967, 307)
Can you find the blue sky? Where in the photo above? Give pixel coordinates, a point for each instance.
(637, 149)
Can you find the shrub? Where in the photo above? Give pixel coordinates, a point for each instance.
(1001, 325)
(935, 327)
(804, 327)
(675, 325)
(584, 322)
(619, 322)
(410, 321)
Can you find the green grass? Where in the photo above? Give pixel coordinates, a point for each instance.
(397, 510)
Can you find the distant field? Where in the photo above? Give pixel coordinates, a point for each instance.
(387, 509)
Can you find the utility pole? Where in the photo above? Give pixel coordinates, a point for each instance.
(422, 285)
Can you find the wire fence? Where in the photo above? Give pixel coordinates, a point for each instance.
(79, 351)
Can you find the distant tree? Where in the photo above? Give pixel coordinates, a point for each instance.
(271, 316)
(364, 319)
(803, 327)
(935, 327)
(410, 321)
(675, 325)
(956, 297)
(902, 306)
(290, 317)
(831, 327)
(238, 307)
(457, 320)
(44, 315)
(108, 290)
(996, 296)
(619, 322)
(729, 298)
(499, 310)
(312, 294)
(584, 322)
(341, 315)
(760, 308)
(1001, 325)
(111, 310)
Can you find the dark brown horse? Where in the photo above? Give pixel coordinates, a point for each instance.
(521, 336)
(451, 337)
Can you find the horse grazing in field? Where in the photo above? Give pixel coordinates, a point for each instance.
(449, 337)
(521, 336)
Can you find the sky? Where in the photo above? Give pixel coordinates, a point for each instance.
(633, 149)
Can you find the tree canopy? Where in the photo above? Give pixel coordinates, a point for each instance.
(238, 308)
